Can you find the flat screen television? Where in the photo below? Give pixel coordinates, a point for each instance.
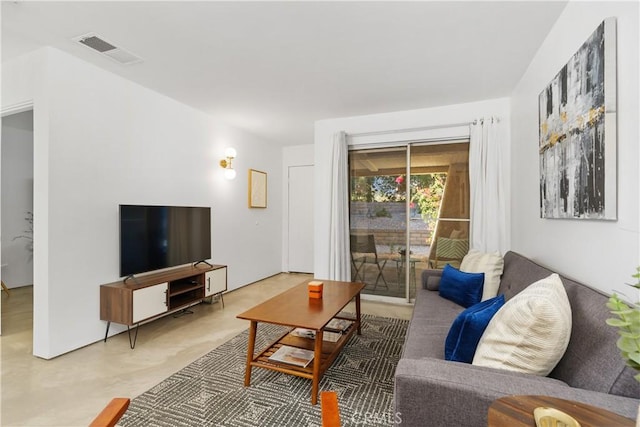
(157, 237)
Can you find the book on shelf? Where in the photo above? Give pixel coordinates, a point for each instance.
(338, 325)
(311, 334)
(293, 356)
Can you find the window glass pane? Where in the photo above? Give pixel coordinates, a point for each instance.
(378, 218)
(441, 176)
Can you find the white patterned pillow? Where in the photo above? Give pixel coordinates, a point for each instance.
(491, 264)
(530, 333)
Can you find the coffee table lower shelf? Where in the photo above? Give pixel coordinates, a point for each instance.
(329, 353)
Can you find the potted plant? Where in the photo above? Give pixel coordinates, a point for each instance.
(627, 320)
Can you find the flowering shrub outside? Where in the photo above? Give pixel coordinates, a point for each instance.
(426, 192)
(429, 198)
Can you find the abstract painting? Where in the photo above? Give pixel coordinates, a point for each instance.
(577, 113)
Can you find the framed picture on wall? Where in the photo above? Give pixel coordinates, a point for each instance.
(577, 147)
(257, 189)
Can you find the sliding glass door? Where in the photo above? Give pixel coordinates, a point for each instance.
(405, 202)
(377, 219)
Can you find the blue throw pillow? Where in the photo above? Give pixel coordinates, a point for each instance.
(467, 329)
(464, 289)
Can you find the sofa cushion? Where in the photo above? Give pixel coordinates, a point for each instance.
(430, 323)
(592, 360)
(462, 288)
(530, 333)
(431, 279)
(466, 330)
(489, 263)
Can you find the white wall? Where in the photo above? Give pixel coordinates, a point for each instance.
(17, 198)
(431, 120)
(601, 253)
(296, 155)
(101, 141)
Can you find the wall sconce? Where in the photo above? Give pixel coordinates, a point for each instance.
(229, 171)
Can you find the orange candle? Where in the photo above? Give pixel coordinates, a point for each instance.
(315, 289)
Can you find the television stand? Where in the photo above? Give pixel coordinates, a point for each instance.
(157, 294)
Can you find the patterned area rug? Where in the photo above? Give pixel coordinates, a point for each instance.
(210, 391)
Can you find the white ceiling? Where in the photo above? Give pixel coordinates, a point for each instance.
(274, 68)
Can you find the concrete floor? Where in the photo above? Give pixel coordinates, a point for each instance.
(72, 389)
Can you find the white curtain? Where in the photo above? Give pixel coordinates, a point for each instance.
(488, 198)
(339, 267)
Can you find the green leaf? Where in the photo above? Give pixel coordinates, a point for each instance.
(614, 299)
(615, 303)
(627, 345)
(623, 312)
(633, 364)
(617, 323)
(634, 357)
(630, 335)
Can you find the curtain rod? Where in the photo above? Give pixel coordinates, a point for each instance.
(423, 128)
(388, 132)
(482, 119)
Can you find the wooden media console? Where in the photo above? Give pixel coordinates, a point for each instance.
(139, 299)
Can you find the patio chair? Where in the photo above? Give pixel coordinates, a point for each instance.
(363, 252)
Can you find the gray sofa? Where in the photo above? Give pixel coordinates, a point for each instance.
(430, 391)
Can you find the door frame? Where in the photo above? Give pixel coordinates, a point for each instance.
(8, 111)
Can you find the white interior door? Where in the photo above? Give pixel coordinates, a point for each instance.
(301, 219)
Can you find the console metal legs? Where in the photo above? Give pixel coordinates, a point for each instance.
(132, 344)
(135, 337)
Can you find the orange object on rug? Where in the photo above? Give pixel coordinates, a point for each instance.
(330, 409)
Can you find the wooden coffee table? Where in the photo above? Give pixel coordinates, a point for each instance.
(294, 308)
(517, 411)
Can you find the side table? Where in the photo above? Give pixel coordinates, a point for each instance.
(401, 261)
(517, 411)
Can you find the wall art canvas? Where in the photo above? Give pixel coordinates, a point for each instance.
(577, 113)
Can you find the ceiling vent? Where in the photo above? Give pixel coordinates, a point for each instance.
(99, 44)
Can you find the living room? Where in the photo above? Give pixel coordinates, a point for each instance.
(101, 140)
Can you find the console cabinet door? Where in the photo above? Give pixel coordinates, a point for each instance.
(215, 281)
(149, 301)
